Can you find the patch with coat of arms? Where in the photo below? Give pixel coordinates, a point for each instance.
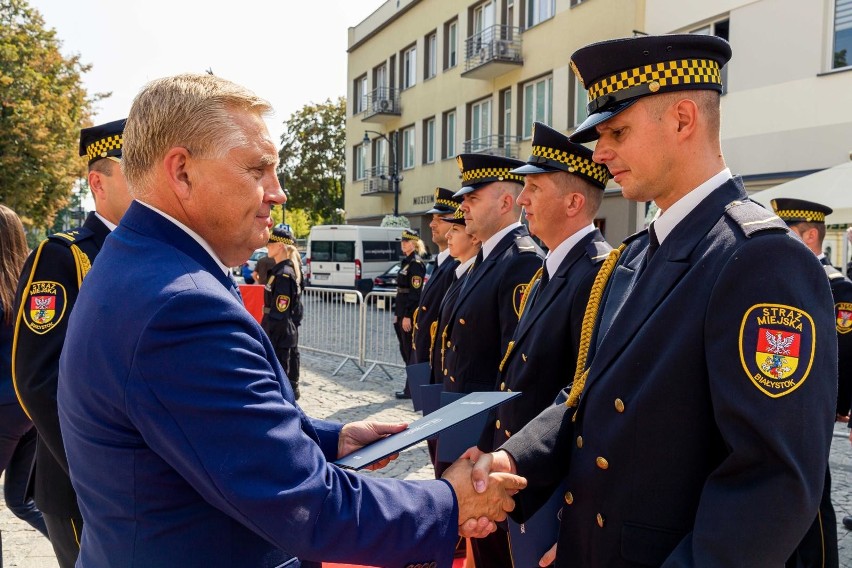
(44, 306)
(518, 297)
(416, 282)
(777, 345)
(843, 313)
(282, 302)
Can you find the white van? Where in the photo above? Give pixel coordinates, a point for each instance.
(350, 256)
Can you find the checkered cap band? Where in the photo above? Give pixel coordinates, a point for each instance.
(576, 164)
(273, 238)
(447, 203)
(100, 148)
(409, 236)
(801, 214)
(493, 174)
(458, 214)
(666, 74)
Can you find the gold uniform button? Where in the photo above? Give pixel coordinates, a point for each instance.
(602, 463)
(449, 343)
(508, 434)
(453, 379)
(579, 441)
(502, 386)
(461, 321)
(619, 405)
(497, 424)
(524, 357)
(569, 498)
(600, 520)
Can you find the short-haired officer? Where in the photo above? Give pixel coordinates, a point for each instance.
(46, 295)
(700, 418)
(807, 220)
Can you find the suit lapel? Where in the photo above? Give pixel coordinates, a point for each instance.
(487, 264)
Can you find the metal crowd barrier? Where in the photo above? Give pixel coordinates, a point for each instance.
(346, 324)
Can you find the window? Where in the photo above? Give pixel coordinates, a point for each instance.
(360, 162)
(380, 152)
(429, 140)
(842, 48)
(360, 94)
(579, 101)
(408, 148)
(480, 125)
(537, 97)
(538, 11)
(451, 44)
(575, 2)
(409, 67)
(335, 251)
(380, 77)
(431, 64)
(720, 29)
(506, 104)
(449, 134)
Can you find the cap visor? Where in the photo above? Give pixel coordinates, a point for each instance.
(467, 189)
(437, 211)
(532, 169)
(586, 132)
(453, 220)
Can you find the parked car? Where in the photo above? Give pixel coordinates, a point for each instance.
(350, 256)
(386, 282)
(246, 268)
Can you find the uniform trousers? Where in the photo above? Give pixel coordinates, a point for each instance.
(65, 534)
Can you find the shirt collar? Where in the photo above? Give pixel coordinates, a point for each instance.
(462, 268)
(442, 256)
(195, 236)
(110, 225)
(491, 243)
(555, 257)
(667, 220)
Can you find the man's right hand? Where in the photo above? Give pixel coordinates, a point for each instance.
(499, 461)
(478, 509)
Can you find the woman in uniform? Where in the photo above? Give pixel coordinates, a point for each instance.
(409, 284)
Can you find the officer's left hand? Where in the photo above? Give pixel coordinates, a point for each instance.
(406, 324)
(549, 556)
(356, 435)
(841, 418)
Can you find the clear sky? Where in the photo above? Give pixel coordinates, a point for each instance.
(288, 52)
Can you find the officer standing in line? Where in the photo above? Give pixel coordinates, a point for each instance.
(702, 401)
(486, 312)
(562, 192)
(426, 316)
(47, 291)
(409, 285)
(282, 303)
(807, 220)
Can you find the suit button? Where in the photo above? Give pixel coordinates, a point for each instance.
(602, 463)
(453, 379)
(449, 343)
(502, 386)
(461, 321)
(600, 520)
(508, 434)
(619, 405)
(446, 372)
(569, 498)
(579, 441)
(497, 424)
(423, 308)
(524, 357)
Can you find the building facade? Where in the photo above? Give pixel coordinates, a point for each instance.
(429, 79)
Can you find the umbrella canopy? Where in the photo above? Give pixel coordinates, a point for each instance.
(832, 187)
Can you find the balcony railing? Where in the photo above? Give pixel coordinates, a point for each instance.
(377, 181)
(494, 145)
(492, 52)
(380, 105)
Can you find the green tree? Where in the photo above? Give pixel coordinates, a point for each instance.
(42, 106)
(312, 158)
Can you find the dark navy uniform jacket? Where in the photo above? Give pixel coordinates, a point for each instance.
(282, 305)
(51, 277)
(409, 285)
(703, 431)
(486, 313)
(185, 444)
(543, 351)
(439, 347)
(841, 291)
(429, 309)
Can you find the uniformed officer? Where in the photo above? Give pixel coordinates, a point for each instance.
(489, 303)
(807, 220)
(425, 319)
(702, 402)
(562, 192)
(409, 285)
(46, 294)
(282, 303)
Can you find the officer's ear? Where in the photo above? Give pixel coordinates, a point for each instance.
(686, 113)
(179, 174)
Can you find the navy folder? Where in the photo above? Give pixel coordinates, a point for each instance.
(454, 441)
(530, 540)
(430, 395)
(422, 428)
(417, 376)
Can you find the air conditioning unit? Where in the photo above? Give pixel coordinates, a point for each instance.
(384, 105)
(503, 48)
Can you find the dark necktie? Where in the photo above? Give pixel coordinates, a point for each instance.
(236, 289)
(545, 277)
(653, 242)
(478, 260)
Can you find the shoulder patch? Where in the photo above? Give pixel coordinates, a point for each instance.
(777, 346)
(598, 250)
(525, 244)
(71, 237)
(43, 306)
(832, 272)
(753, 218)
(843, 315)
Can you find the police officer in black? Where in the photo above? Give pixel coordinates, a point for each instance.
(47, 291)
(282, 303)
(807, 220)
(409, 285)
(426, 315)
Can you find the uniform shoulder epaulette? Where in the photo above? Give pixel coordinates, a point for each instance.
(598, 250)
(71, 237)
(753, 217)
(832, 272)
(635, 236)
(525, 243)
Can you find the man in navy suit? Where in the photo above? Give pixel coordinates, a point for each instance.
(184, 441)
(698, 431)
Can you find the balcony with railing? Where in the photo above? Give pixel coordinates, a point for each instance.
(377, 181)
(494, 145)
(381, 105)
(492, 52)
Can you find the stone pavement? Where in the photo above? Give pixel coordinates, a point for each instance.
(344, 398)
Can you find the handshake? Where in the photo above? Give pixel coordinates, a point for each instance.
(483, 491)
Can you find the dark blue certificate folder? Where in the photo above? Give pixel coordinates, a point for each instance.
(454, 441)
(430, 396)
(530, 540)
(417, 376)
(450, 415)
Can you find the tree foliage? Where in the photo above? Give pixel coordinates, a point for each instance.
(42, 106)
(312, 158)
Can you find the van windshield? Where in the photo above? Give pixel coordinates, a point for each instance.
(334, 251)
